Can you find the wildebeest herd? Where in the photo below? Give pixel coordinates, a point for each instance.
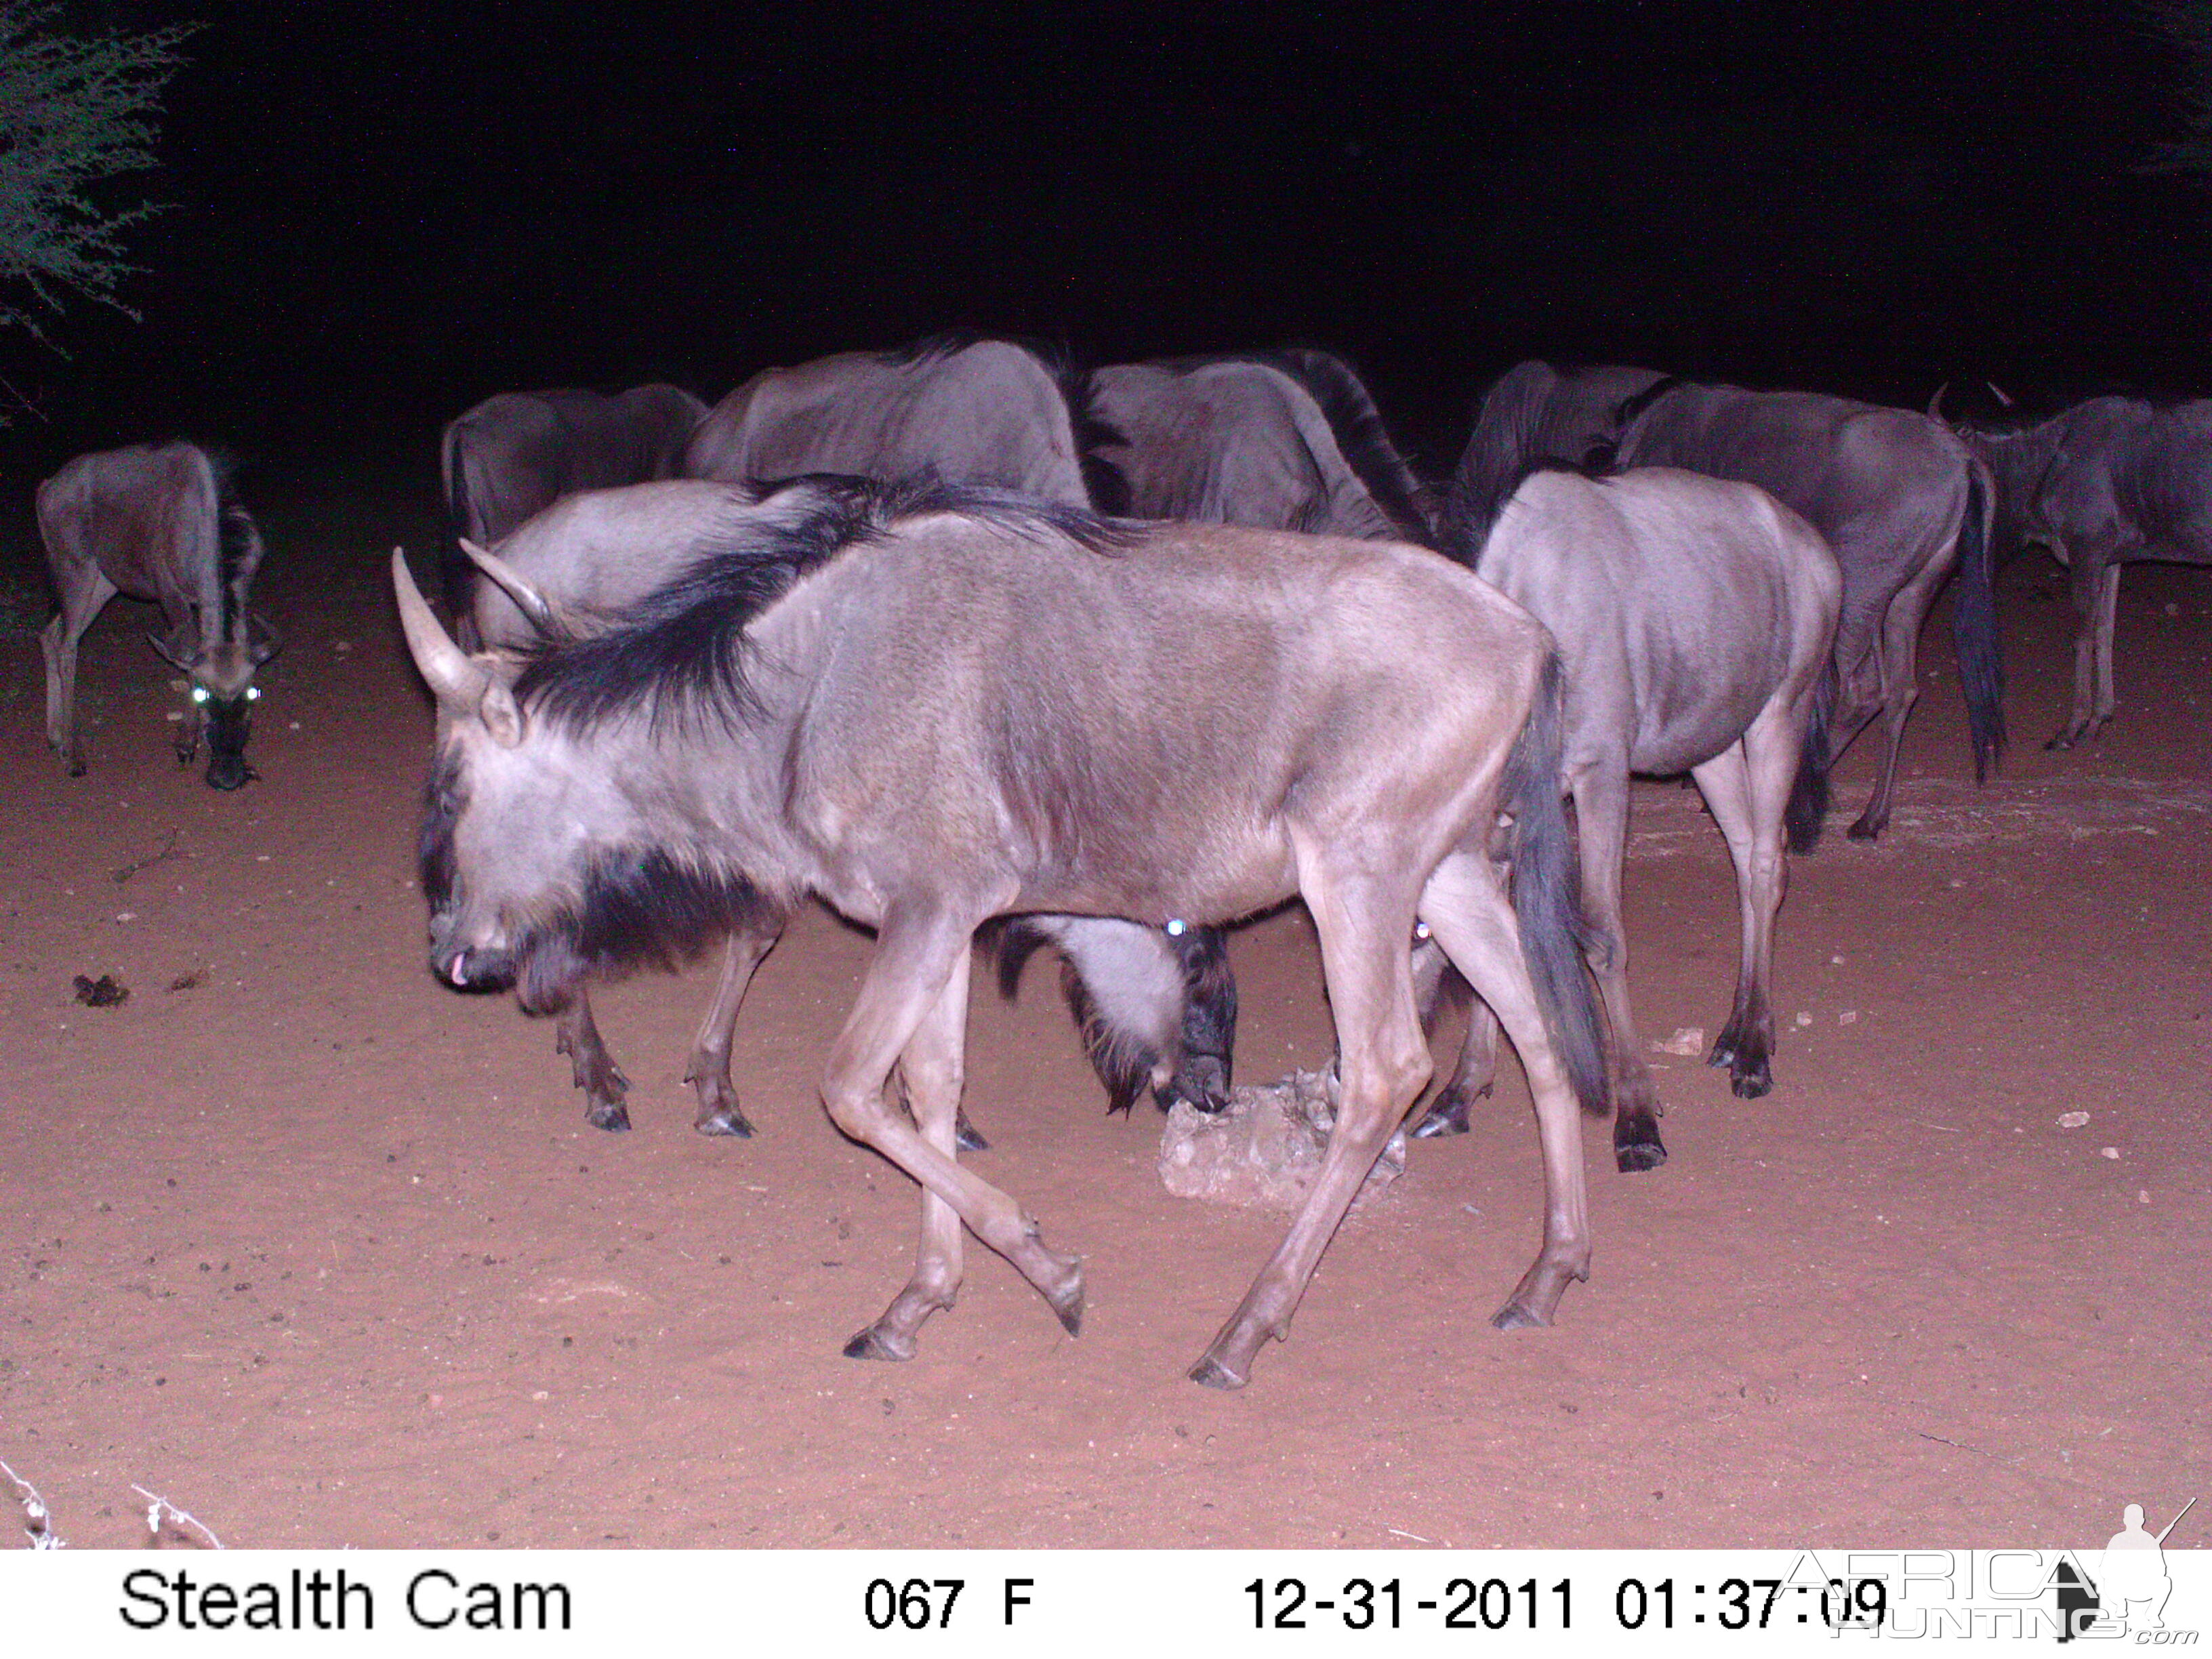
(971, 644)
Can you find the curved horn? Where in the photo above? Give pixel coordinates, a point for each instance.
(457, 683)
(265, 640)
(1935, 403)
(533, 604)
(1998, 393)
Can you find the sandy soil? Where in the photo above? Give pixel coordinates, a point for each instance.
(326, 1253)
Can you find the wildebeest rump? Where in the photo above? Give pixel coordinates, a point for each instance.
(1696, 619)
(935, 707)
(992, 412)
(585, 563)
(1897, 497)
(2109, 482)
(160, 522)
(1014, 416)
(1286, 440)
(518, 453)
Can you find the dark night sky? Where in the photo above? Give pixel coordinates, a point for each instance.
(376, 222)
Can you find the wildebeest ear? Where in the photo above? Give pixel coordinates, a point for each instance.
(266, 641)
(541, 612)
(457, 683)
(501, 713)
(172, 651)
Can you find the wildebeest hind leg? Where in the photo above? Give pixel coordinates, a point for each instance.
(931, 1068)
(1600, 796)
(916, 957)
(577, 1036)
(80, 603)
(1382, 1064)
(1747, 787)
(1467, 909)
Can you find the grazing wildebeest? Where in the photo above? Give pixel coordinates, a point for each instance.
(2107, 483)
(1286, 440)
(932, 707)
(518, 453)
(1696, 619)
(1897, 497)
(160, 522)
(1016, 416)
(590, 558)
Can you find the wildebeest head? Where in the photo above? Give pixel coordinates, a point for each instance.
(220, 685)
(536, 869)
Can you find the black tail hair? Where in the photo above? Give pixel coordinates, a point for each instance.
(1808, 795)
(1349, 407)
(1547, 893)
(1974, 627)
(1465, 529)
(1637, 402)
(457, 572)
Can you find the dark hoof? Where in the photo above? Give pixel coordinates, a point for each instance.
(1210, 1373)
(1515, 1317)
(966, 1137)
(1637, 1145)
(615, 1116)
(1865, 831)
(870, 1345)
(727, 1120)
(77, 769)
(1069, 1307)
(2063, 740)
(1750, 1085)
(1446, 1116)
(1724, 1051)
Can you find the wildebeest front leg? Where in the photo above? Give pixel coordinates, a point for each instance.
(708, 1073)
(1465, 908)
(1746, 786)
(933, 1067)
(1437, 982)
(1382, 1065)
(916, 957)
(82, 598)
(577, 1036)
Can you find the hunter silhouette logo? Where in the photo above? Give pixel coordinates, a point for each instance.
(2128, 1593)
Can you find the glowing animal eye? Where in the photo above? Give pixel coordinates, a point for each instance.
(254, 693)
(200, 694)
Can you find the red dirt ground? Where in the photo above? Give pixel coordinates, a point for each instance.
(326, 1255)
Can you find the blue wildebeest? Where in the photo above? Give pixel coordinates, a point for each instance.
(2109, 482)
(930, 707)
(1287, 440)
(588, 560)
(981, 411)
(518, 453)
(1016, 416)
(1898, 497)
(158, 522)
(1696, 619)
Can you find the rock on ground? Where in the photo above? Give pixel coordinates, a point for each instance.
(1265, 1149)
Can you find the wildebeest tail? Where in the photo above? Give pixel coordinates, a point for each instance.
(1974, 627)
(1547, 893)
(457, 572)
(1808, 795)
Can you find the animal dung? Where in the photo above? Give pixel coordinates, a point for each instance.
(1686, 1040)
(1265, 1151)
(106, 992)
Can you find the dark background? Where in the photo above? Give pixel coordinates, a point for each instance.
(381, 212)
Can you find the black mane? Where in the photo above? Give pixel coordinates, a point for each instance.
(1463, 531)
(1349, 409)
(682, 648)
(1633, 405)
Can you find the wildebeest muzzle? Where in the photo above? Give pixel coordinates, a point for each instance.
(473, 968)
